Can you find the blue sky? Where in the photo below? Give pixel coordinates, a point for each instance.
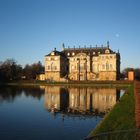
(30, 29)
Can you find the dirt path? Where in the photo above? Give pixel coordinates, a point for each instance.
(137, 102)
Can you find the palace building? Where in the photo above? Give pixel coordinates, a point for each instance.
(82, 64)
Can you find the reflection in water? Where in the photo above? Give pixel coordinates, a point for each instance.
(56, 98)
(81, 109)
(76, 100)
(85, 100)
(10, 93)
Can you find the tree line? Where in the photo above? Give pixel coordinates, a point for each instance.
(10, 70)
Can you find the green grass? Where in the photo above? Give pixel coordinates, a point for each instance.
(111, 84)
(121, 116)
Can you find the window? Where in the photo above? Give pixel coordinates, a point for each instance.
(51, 66)
(94, 53)
(107, 66)
(107, 51)
(52, 53)
(48, 67)
(94, 58)
(73, 53)
(103, 66)
(56, 58)
(55, 67)
(94, 67)
(72, 59)
(72, 67)
(68, 54)
(110, 66)
(81, 66)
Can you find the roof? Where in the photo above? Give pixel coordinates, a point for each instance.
(56, 53)
(92, 51)
(88, 50)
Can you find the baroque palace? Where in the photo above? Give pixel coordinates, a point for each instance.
(81, 64)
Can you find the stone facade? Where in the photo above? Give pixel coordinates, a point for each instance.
(40, 77)
(55, 66)
(81, 64)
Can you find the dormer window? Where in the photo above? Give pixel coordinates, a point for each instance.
(68, 54)
(94, 53)
(52, 53)
(73, 53)
(107, 51)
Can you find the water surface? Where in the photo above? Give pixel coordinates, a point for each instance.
(53, 112)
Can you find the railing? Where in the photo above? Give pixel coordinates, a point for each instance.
(133, 134)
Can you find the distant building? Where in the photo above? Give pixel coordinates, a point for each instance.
(81, 64)
(40, 77)
(130, 75)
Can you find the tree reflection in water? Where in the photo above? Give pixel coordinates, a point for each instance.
(52, 112)
(9, 93)
(68, 101)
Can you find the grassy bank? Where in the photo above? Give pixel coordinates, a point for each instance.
(120, 84)
(121, 117)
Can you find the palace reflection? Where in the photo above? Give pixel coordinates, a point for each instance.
(80, 99)
(56, 98)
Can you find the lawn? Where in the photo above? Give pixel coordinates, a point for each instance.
(121, 117)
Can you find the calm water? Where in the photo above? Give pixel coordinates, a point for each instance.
(52, 113)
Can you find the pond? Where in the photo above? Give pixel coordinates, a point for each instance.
(53, 112)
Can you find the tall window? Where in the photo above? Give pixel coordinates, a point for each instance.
(111, 66)
(48, 67)
(72, 67)
(94, 68)
(51, 66)
(103, 66)
(85, 65)
(107, 66)
(82, 66)
(55, 67)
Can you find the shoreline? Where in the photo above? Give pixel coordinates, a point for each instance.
(70, 83)
(117, 118)
(101, 127)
